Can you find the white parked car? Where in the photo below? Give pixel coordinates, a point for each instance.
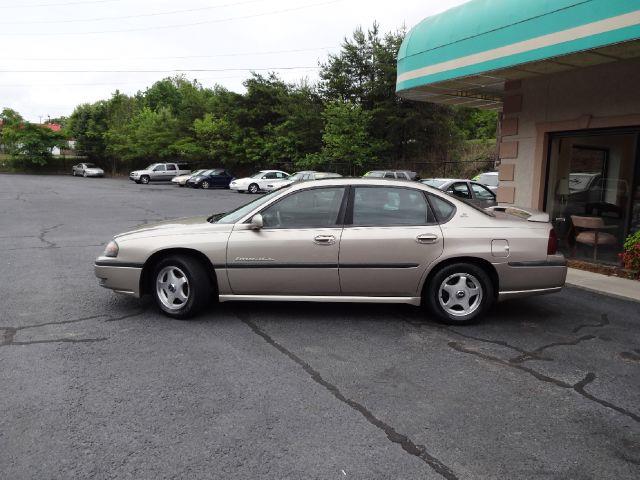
(181, 180)
(488, 179)
(87, 170)
(258, 181)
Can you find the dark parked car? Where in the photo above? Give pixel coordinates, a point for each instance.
(473, 192)
(216, 178)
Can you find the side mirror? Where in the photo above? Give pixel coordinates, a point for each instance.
(256, 222)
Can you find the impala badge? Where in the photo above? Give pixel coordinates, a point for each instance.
(254, 259)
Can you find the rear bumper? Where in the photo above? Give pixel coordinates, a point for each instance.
(123, 278)
(527, 278)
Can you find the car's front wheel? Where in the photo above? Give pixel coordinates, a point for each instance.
(460, 293)
(181, 286)
(144, 179)
(205, 184)
(253, 188)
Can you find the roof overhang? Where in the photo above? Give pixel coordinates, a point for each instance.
(465, 55)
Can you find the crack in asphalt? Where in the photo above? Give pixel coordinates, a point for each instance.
(394, 436)
(44, 232)
(535, 354)
(579, 387)
(62, 340)
(7, 334)
(49, 247)
(604, 320)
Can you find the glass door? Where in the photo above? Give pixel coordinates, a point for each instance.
(592, 191)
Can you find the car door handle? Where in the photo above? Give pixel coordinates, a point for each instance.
(427, 238)
(324, 240)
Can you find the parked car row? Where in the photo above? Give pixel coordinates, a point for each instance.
(479, 192)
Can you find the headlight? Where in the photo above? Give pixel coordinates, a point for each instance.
(111, 250)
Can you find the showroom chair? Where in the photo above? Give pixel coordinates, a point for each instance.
(588, 231)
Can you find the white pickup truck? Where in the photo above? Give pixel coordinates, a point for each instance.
(159, 172)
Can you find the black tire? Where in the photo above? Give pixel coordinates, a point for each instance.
(199, 283)
(84, 174)
(253, 188)
(144, 179)
(205, 185)
(474, 275)
(73, 173)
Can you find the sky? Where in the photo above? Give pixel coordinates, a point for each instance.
(56, 54)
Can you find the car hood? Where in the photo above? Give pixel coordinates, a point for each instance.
(178, 226)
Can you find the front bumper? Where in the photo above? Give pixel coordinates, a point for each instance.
(95, 174)
(120, 277)
(239, 188)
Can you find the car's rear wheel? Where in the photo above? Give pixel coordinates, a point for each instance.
(73, 173)
(460, 293)
(181, 286)
(253, 188)
(84, 174)
(205, 184)
(144, 179)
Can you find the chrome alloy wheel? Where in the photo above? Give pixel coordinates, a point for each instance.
(460, 294)
(172, 287)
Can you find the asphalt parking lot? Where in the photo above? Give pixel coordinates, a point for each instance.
(96, 385)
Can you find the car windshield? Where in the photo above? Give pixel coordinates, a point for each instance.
(234, 215)
(152, 166)
(374, 174)
(432, 182)
(197, 172)
(90, 165)
(256, 175)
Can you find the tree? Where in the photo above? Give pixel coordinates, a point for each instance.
(28, 143)
(346, 138)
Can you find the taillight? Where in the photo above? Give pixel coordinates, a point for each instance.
(552, 245)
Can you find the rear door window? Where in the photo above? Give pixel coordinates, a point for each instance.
(389, 206)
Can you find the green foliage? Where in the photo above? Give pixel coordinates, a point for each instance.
(346, 135)
(28, 144)
(631, 253)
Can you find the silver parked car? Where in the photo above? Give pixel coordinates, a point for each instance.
(468, 190)
(302, 176)
(341, 240)
(87, 170)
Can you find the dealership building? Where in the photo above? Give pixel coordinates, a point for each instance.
(565, 77)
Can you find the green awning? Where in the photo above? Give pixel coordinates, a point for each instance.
(464, 55)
